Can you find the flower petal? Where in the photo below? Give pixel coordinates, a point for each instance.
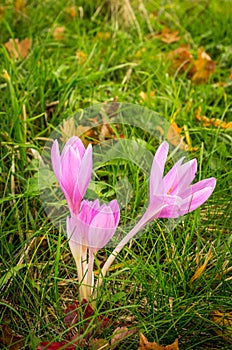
(56, 161)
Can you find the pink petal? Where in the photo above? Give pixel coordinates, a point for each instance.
(157, 169)
(180, 176)
(211, 182)
(116, 210)
(84, 176)
(56, 161)
(196, 199)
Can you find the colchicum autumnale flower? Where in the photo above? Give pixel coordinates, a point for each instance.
(171, 195)
(73, 170)
(88, 231)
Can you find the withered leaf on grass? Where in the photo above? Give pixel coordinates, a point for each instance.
(224, 320)
(10, 339)
(144, 344)
(20, 5)
(18, 49)
(211, 121)
(71, 11)
(167, 36)
(182, 60)
(58, 33)
(120, 334)
(198, 70)
(204, 66)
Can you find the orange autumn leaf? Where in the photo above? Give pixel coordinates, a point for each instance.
(71, 11)
(58, 33)
(20, 5)
(211, 121)
(103, 35)
(204, 67)
(145, 97)
(167, 36)
(81, 56)
(18, 49)
(182, 60)
(144, 344)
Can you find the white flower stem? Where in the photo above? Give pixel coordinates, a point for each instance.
(142, 222)
(90, 276)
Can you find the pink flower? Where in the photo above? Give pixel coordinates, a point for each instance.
(73, 170)
(95, 225)
(173, 195)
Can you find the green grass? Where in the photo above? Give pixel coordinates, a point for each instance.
(150, 287)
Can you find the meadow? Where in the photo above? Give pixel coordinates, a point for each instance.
(60, 58)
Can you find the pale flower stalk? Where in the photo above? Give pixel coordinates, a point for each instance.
(89, 231)
(171, 196)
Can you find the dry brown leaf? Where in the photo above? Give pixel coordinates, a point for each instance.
(224, 320)
(182, 60)
(71, 11)
(200, 270)
(10, 339)
(58, 33)
(120, 334)
(175, 138)
(81, 56)
(204, 67)
(18, 49)
(20, 5)
(144, 344)
(103, 35)
(144, 96)
(98, 344)
(167, 36)
(2, 10)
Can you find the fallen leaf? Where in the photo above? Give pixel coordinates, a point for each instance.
(211, 121)
(98, 344)
(20, 5)
(46, 345)
(81, 56)
(224, 320)
(18, 49)
(10, 339)
(167, 36)
(103, 35)
(200, 270)
(144, 344)
(204, 67)
(58, 33)
(71, 11)
(120, 334)
(182, 60)
(2, 10)
(175, 138)
(144, 96)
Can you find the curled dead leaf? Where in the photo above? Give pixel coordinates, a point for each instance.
(204, 67)
(168, 36)
(120, 334)
(182, 61)
(71, 11)
(201, 269)
(211, 121)
(81, 56)
(18, 49)
(58, 33)
(224, 320)
(144, 344)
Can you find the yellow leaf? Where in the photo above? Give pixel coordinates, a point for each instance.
(200, 270)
